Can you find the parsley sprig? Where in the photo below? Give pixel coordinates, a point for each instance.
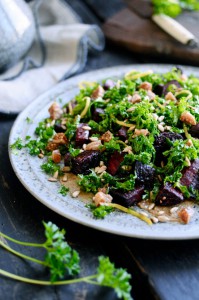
(174, 8)
(63, 261)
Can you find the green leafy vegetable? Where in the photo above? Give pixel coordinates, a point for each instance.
(173, 8)
(28, 120)
(62, 261)
(101, 211)
(63, 190)
(17, 145)
(50, 167)
(118, 279)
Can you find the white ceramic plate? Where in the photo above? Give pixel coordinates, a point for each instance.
(28, 170)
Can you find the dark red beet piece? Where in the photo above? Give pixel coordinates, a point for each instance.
(158, 89)
(170, 83)
(127, 198)
(114, 162)
(168, 195)
(190, 177)
(194, 131)
(83, 162)
(162, 90)
(59, 128)
(67, 159)
(161, 144)
(97, 114)
(145, 175)
(82, 135)
(122, 133)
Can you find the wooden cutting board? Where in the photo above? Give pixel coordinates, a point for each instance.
(143, 36)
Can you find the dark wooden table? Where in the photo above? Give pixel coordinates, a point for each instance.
(160, 269)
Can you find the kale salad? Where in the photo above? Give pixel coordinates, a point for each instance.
(132, 142)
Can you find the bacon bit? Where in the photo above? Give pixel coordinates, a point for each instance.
(56, 156)
(107, 136)
(185, 215)
(101, 198)
(170, 96)
(151, 95)
(52, 146)
(93, 145)
(147, 86)
(99, 92)
(187, 118)
(138, 132)
(60, 138)
(136, 98)
(55, 111)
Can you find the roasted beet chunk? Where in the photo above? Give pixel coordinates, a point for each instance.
(97, 114)
(83, 162)
(145, 175)
(194, 131)
(114, 162)
(168, 195)
(127, 198)
(67, 159)
(162, 144)
(169, 85)
(190, 177)
(158, 89)
(59, 128)
(162, 90)
(122, 133)
(82, 135)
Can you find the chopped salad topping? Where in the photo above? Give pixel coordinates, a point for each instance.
(129, 140)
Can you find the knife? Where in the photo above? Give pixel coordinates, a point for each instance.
(144, 8)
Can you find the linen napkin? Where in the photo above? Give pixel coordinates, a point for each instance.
(60, 50)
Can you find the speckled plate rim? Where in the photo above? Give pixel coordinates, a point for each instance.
(35, 181)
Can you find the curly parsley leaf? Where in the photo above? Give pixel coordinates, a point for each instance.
(50, 167)
(63, 190)
(60, 257)
(118, 279)
(17, 144)
(174, 8)
(101, 211)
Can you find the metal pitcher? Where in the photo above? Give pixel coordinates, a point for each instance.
(17, 31)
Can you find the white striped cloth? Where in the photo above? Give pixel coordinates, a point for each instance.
(67, 42)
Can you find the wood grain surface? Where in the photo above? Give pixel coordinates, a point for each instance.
(143, 36)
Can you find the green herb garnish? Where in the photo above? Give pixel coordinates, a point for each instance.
(62, 260)
(63, 190)
(50, 167)
(173, 8)
(17, 145)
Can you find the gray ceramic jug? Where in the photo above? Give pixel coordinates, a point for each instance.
(17, 31)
